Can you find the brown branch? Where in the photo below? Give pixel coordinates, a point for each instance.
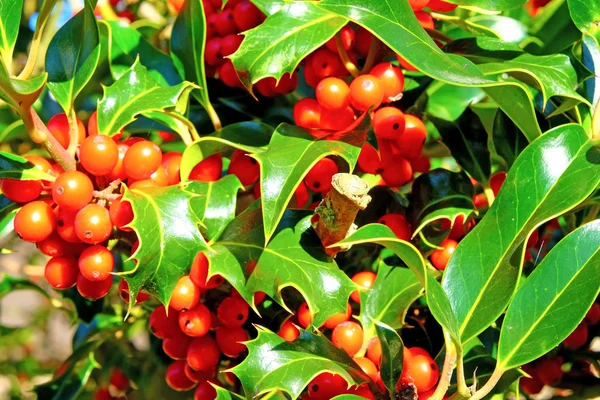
(337, 211)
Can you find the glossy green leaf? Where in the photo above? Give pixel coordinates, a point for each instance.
(551, 176)
(249, 136)
(392, 355)
(291, 153)
(224, 394)
(449, 102)
(507, 29)
(467, 140)
(163, 221)
(215, 204)
(484, 49)
(436, 298)
(586, 14)
(508, 139)
(295, 258)
(135, 92)
(273, 48)
(10, 18)
(18, 92)
(396, 25)
(440, 194)
(269, 7)
(273, 363)
(72, 56)
(187, 47)
(126, 44)
(495, 5)
(553, 300)
(390, 297)
(16, 167)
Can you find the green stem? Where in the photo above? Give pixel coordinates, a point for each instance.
(371, 55)
(489, 385)
(489, 195)
(34, 49)
(446, 374)
(463, 389)
(596, 122)
(73, 131)
(344, 57)
(193, 133)
(593, 214)
(214, 118)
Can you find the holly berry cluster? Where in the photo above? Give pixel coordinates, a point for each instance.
(117, 387)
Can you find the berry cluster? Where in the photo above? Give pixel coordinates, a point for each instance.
(197, 338)
(420, 372)
(117, 387)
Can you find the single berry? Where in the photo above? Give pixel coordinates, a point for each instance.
(72, 190)
(171, 162)
(388, 123)
(368, 160)
(124, 293)
(307, 113)
(398, 224)
(336, 120)
(21, 191)
(348, 336)
(231, 341)
(326, 386)
(176, 346)
(185, 294)
(338, 318)
(195, 321)
(439, 258)
(93, 290)
(58, 126)
(199, 273)
(233, 312)
(121, 214)
(203, 354)
(96, 263)
(246, 15)
(392, 80)
(205, 391)
(347, 36)
(319, 177)
(92, 224)
(333, 93)
(396, 171)
(325, 63)
(176, 378)
(35, 221)
(61, 272)
(303, 315)
(288, 331)
(366, 91)
(245, 168)
(367, 366)
(208, 170)
(163, 325)
(365, 280)
(98, 154)
(142, 160)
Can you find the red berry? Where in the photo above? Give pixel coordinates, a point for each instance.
(203, 354)
(208, 170)
(245, 168)
(374, 351)
(102, 394)
(363, 42)
(418, 4)
(92, 224)
(233, 312)
(124, 293)
(398, 224)
(213, 53)
(65, 225)
(366, 91)
(119, 380)
(420, 164)
(307, 113)
(425, 20)
(496, 181)
(549, 370)
(163, 325)
(176, 346)
(121, 214)
(224, 23)
(392, 80)
(348, 336)
(55, 246)
(388, 123)
(176, 378)
(171, 162)
(118, 172)
(325, 63)
(326, 386)
(96, 263)
(93, 290)
(338, 318)
(333, 93)
(198, 376)
(185, 294)
(61, 272)
(228, 75)
(196, 321)
(396, 171)
(35, 221)
(98, 154)
(423, 370)
(247, 16)
(439, 258)
(142, 160)
(365, 280)
(337, 120)
(593, 315)
(230, 43)
(205, 391)
(310, 76)
(58, 126)
(441, 6)
(319, 177)
(287, 84)
(368, 160)
(21, 191)
(72, 190)
(347, 36)
(303, 315)
(577, 338)
(231, 341)
(288, 331)
(367, 366)
(199, 273)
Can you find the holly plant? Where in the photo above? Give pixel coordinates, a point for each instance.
(303, 199)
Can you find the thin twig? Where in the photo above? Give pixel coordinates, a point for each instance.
(108, 192)
(371, 55)
(73, 131)
(447, 369)
(489, 385)
(463, 389)
(352, 69)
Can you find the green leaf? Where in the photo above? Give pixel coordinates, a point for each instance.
(249, 136)
(224, 394)
(467, 140)
(188, 40)
(273, 48)
(10, 19)
(292, 152)
(8, 284)
(591, 59)
(390, 297)
(6, 208)
(295, 258)
(483, 49)
(16, 167)
(508, 139)
(392, 356)
(493, 5)
(269, 7)
(553, 300)
(135, 92)
(553, 75)
(449, 102)
(436, 298)
(215, 204)
(126, 44)
(585, 14)
(440, 194)
(19, 93)
(396, 25)
(163, 220)
(72, 57)
(551, 176)
(274, 364)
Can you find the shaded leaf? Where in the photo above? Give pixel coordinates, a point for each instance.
(508, 139)
(9, 284)
(392, 356)
(551, 176)
(553, 300)
(495, 5)
(449, 102)
(16, 167)
(591, 59)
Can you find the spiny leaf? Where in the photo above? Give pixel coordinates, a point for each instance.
(392, 355)
(551, 176)
(13, 166)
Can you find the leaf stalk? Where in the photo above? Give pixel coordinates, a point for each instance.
(350, 66)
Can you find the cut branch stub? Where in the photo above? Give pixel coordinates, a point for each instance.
(338, 209)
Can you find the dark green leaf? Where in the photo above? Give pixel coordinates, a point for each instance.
(273, 48)
(249, 136)
(436, 298)
(72, 57)
(127, 44)
(9, 284)
(16, 167)
(495, 5)
(276, 364)
(10, 18)
(551, 176)
(392, 356)
(18, 92)
(483, 49)
(508, 139)
(467, 140)
(163, 220)
(292, 152)
(100, 323)
(553, 300)
(135, 92)
(187, 47)
(396, 25)
(449, 102)
(6, 207)
(215, 204)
